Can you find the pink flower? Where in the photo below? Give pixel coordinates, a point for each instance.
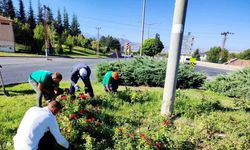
(131, 135)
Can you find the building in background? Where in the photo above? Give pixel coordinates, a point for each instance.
(7, 40)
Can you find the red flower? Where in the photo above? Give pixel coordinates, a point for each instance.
(92, 119)
(158, 145)
(63, 97)
(88, 128)
(166, 122)
(83, 111)
(142, 135)
(73, 116)
(82, 96)
(131, 135)
(120, 130)
(88, 120)
(97, 124)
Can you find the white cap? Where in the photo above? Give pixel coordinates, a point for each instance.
(82, 72)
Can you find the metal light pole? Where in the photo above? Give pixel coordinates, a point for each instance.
(174, 56)
(143, 22)
(97, 44)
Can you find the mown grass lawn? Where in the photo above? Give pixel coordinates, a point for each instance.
(202, 120)
(77, 51)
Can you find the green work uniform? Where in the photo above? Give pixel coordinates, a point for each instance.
(106, 78)
(44, 77)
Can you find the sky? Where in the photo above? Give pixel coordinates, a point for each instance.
(205, 19)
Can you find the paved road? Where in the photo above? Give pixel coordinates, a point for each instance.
(17, 69)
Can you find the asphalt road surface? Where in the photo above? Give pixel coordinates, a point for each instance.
(17, 69)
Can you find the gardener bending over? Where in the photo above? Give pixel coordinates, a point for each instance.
(110, 81)
(45, 83)
(39, 129)
(81, 71)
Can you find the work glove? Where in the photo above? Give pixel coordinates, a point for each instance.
(77, 88)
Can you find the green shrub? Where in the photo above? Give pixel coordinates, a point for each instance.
(150, 72)
(236, 84)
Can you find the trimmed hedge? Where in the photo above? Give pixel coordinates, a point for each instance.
(236, 84)
(150, 72)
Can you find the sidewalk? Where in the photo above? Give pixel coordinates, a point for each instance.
(219, 66)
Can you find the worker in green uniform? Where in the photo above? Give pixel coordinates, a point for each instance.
(110, 81)
(45, 83)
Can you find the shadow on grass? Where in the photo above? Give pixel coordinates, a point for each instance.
(23, 92)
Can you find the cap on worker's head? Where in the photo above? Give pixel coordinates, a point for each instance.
(83, 72)
(115, 75)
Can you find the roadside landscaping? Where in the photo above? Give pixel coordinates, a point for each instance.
(214, 115)
(131, 119)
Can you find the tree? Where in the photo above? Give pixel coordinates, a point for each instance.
(245, 54)
(196, 54)
(58, 23)
(70, 43)
(75, 26)
(158, 44)
(151, 46)
(10, 9)
(39, 37)
(213, 55)
(3, 7)
(39, 12)
(65, 21)
(21, 13)
(31, 19)
(94, 44)
(50, 18)
(86, 43)
(115, 45)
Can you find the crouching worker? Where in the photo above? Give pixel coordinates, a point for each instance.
(110, 81)
(45, 84)
(81, 71)
(39, 129)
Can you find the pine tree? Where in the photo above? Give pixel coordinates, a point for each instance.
(31, 19)
(10, 9)
(75, 26)
(21, 14)
(49, 15)
(3, 7)
(65, 21)
(39, 13)
(58, 23)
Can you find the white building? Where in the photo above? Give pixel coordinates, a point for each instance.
(7, 40)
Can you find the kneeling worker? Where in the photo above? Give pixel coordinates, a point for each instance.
(81, 71)
(110, 81)
(39, 129)
(45, 83)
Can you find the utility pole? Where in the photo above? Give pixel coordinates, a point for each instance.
(97, 43)
(46, 32)
(174, 56)
(143, 22)
(224, 43)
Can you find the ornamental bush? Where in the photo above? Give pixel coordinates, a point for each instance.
(235, 85)
(150, 72)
